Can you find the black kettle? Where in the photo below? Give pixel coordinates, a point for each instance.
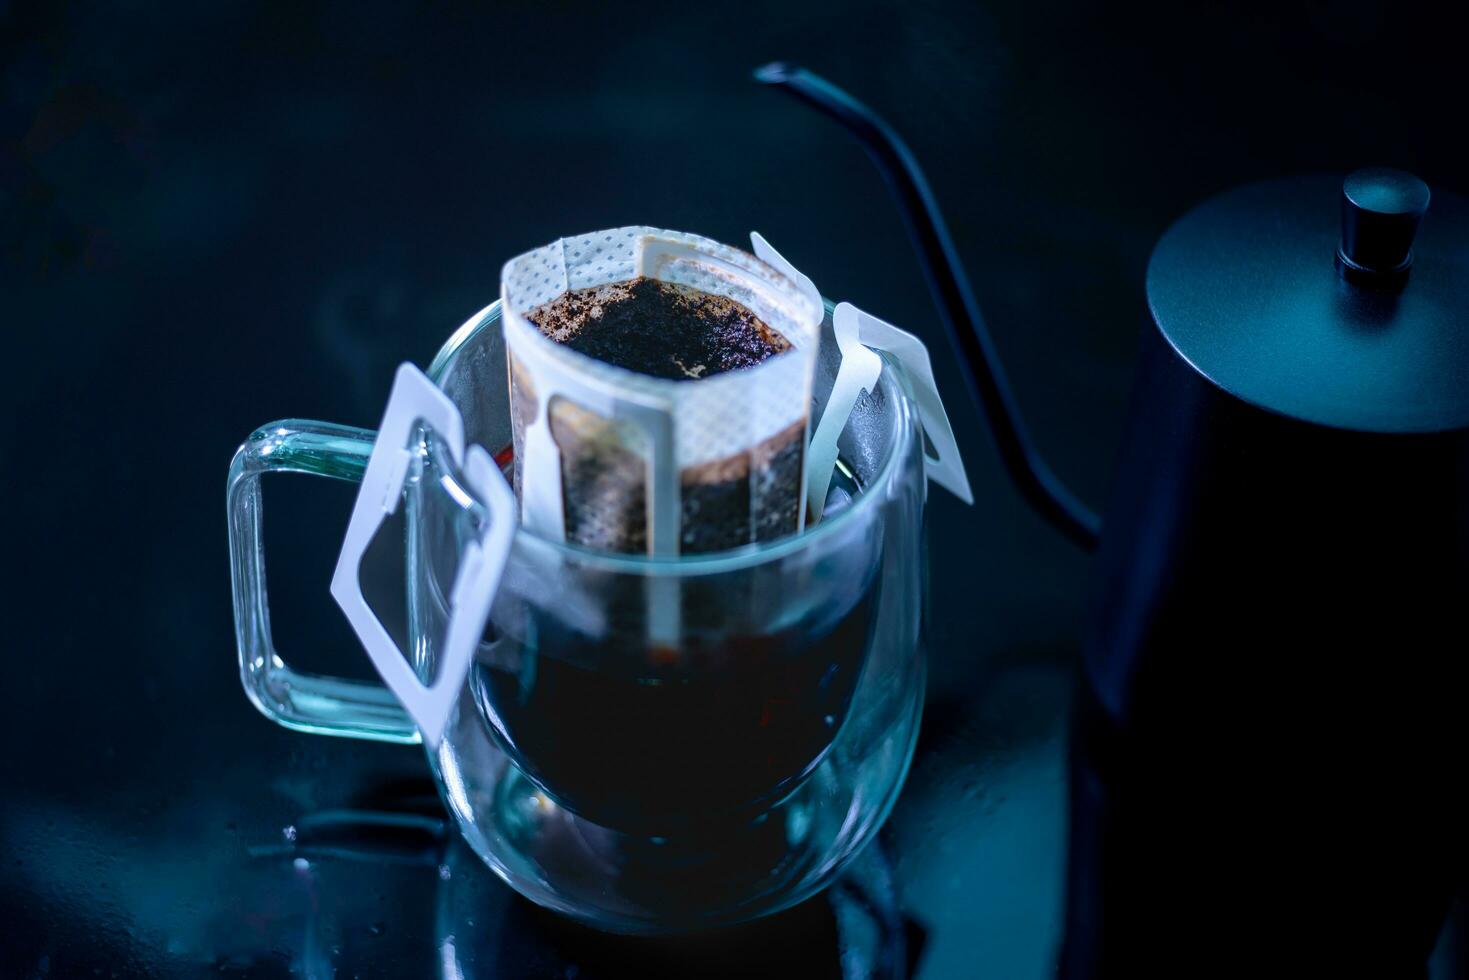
(1269, 765)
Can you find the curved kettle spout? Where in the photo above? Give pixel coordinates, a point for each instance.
(960, 314)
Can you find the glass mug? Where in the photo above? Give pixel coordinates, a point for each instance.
(638, 786)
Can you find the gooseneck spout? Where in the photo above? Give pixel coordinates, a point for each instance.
(957, 308)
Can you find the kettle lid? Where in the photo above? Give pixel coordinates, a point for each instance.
(1339, 302)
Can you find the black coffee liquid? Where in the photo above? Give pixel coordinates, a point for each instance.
(653, 741)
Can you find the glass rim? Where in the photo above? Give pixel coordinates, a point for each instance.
(719, 561)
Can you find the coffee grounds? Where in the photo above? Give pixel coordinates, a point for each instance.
(659, 329)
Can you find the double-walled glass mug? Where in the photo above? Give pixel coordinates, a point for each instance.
(643, 744)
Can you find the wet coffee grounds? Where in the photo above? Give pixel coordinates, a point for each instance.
(659, 329)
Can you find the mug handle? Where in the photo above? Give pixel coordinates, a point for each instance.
(301, 701)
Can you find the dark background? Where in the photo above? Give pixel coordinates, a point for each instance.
(219, 214)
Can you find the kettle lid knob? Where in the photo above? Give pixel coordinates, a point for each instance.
(1381, 209)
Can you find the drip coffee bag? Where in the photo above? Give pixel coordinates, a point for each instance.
(660, 392)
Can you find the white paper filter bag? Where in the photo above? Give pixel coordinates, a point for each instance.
(613, 459)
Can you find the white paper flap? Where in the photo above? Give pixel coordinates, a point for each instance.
(416, 400)
(766, 253)
(852, 325)
(859, 370)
